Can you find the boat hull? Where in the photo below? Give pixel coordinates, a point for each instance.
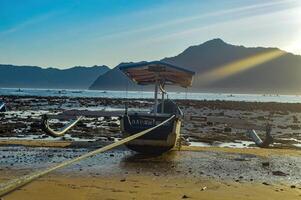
(157, 141)
(2, 107)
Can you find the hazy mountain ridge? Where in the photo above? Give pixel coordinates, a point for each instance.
(78, 77)
(278, 75)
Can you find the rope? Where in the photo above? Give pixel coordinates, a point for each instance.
(19, 182)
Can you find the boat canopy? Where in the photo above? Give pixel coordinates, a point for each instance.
(146, 73)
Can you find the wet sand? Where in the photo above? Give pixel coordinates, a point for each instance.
(147, 187)
(204, 173)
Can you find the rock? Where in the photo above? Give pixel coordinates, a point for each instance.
(44, 136)
(123, 180)
(112, 124)
(185, 197)
(227, 130)
(240, 159)
(210, 123)
(156, 174)
(265, 164)
(293, 186)
(265, 183)
(279, 173)
(203, 188)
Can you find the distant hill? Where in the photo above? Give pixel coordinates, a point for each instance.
(37, 77)
(113, 79)
(278, 75)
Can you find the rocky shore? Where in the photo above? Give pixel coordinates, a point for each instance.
(24, 117)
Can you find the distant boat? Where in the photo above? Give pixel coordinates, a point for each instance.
(19, 90)
(62, 92)
(2, 106)
(76, 92)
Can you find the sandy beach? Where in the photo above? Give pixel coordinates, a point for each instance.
(198, 173)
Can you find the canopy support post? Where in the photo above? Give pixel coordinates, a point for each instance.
(156, 96)
(162, 102)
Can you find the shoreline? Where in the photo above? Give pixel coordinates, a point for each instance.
(222, 104)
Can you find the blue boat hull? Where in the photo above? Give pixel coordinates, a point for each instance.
(156, 141)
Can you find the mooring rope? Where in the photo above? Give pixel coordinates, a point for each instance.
(12, 185)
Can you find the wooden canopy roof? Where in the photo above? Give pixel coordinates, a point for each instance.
(146, 73)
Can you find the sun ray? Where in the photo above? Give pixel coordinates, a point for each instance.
(238, 66)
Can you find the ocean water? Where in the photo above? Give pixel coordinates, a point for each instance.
(145, 95)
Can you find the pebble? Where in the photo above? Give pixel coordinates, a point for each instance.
(279, 173)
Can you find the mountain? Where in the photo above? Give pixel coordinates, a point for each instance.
(248, 69)
(113, 79)
(36, 77)
(276, 71)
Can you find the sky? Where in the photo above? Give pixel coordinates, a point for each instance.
(65, 33)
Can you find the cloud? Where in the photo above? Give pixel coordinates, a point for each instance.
(29, 23)
(228, 23)
(237, 10)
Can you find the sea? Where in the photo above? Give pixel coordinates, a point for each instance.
(148, 95)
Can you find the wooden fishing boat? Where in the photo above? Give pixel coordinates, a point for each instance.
(165, 137)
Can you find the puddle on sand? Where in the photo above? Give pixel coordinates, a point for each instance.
(66, 137)
(236, 144)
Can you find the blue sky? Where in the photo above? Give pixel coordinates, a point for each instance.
(64, 33)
